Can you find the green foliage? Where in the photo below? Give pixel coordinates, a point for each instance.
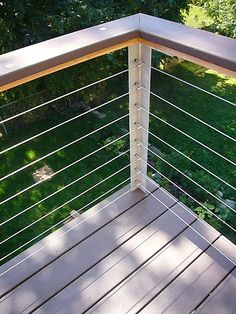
(117, 147)
(205, 210)
(43, 145)
(223, 13)
(27, 22)
(210, 110)
(197, 17)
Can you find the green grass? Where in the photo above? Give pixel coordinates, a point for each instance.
(43, 145)
(209, 109)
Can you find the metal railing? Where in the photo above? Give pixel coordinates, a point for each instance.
(139, 34)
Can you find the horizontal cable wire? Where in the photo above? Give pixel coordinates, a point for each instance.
(199, 185)
(60, 124)
(78, 211)
(62, 96)
(187, 224)
(186, 193)
(195, 162)
(57, 208)
(64, 233)
(190, 115)
(192, 138)
(60, 148)
(194, 86)
(69, 184)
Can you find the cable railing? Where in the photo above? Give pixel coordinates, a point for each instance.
(134, 162)
(194, 117)
(63, 96)
(67, 185)
(103, 150)
(162, 152)
(193, 181)
(56, 209)
(193, 161)
(194, 139)
(188, 225)
(186, 193)
(59, 207)
(64, 233)
(194, 86)
(55, 151)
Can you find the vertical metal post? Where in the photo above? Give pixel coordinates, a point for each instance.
(139, 76)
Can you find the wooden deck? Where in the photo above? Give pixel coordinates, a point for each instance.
(132, 256)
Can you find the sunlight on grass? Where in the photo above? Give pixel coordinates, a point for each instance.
(227, 79)
(2, 191)
(61, 154)
(31, 154)
(35, 195)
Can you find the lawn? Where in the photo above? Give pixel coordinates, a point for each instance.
(49, 142)
(217, 113)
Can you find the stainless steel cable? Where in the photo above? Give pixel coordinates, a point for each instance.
(59, 125)
(194, 86)
(190, 137)
(193, 161)
(191, 115)
(57, 208)
(60, 148)
(64, 233)
(78, 211)
(202, 205)
(67, 185)
(62, 96)
(187, 224)
(193, 181)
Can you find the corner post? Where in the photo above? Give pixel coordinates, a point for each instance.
(139, 97)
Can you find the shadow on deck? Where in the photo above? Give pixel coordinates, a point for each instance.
(134, 255)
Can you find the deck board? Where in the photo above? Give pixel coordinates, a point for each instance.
(134, 256)
(89, 252)
(222, 300)
(107, 274)
(193, 285)
(155, 275)
(55, 248)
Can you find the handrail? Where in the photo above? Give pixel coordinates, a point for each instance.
(211, 50)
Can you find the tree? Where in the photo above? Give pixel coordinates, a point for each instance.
(223, 13)
(27, 22)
